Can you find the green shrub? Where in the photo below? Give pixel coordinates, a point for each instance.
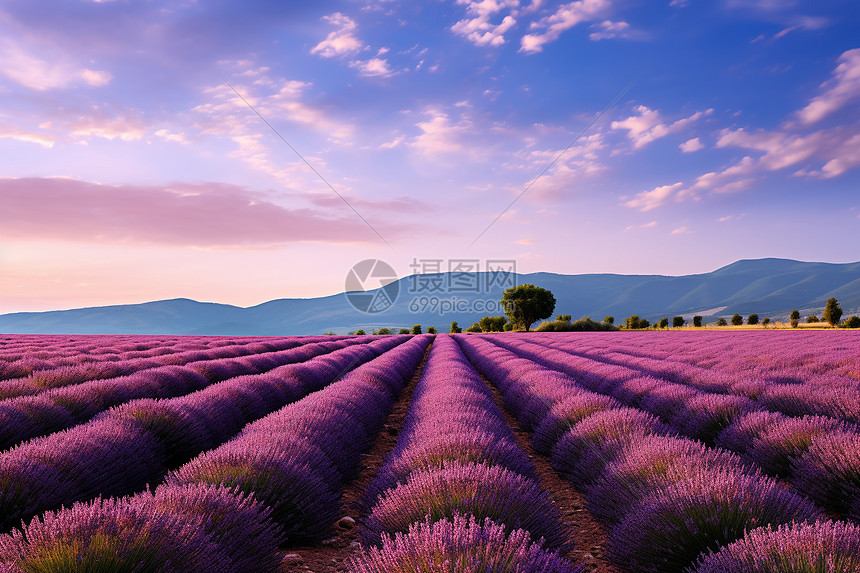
(609, 319)
(752, 319)
(360, 332)
(853, 322)
(644, 323)
(404, 331)
(722, 322)
(766, 321)
(832, 312)
(678, 321)
(455, 328)
(737, 320)
(432, 330)
(812, 319)
(664, 323)
(697, 321)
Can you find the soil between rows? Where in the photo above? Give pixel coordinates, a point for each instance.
(588, 536)
(331, 555)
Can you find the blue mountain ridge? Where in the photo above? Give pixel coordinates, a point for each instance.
(770, 287)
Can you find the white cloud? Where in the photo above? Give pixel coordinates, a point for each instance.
(649, 225)
(838, 91)
(608, 29)
(374, 67)
(342, 41)
(550, 28)
(681, 231)
(692, 145)
(23, 67)
(647, 200)
(649, 125)
(478, 27)
(439, 135)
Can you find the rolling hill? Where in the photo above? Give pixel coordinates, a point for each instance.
(769, 287)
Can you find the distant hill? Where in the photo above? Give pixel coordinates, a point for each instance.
(769, 287)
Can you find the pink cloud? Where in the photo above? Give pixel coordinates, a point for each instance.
(478, 28)
(567, 16)
(838, 91)
(650, 125)
(204, 214)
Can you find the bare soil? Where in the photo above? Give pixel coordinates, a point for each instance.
(331, 555)
(586, 534)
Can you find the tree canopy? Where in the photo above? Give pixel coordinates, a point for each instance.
(526, 304)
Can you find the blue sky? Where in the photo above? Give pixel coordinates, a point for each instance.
(132, 171)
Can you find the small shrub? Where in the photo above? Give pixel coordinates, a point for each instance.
(722, 322)
(360, 332)
(644, 323)
(812, 319)
(765, 321)
(853, 322)
(455, 328)
(416, 329)
(664, 323)
(609, 320)
(432, 330)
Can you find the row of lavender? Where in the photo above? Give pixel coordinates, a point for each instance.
(457, 493)
(819, 455)
(783, 357)
(128, 446)
(229, 509)
(26, 417)
(671, 504)
(22, 355)
(40, 380)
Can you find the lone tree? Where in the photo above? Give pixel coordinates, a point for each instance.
(697, 321)
(737, 319)
(432, 330)
(766, 321)
(752, 319)
(416, 329)
(794, 317)
(664, 323)
(455, 328)
(525, 304)
(832, 312)
(678, 321)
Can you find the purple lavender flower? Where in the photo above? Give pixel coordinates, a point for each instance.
(669, 529)
(829, 472)
(484, 491)
(651, 464)
(584, 451)
(457, 545)
(826, 546)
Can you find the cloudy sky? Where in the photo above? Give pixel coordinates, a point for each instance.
(138, 161)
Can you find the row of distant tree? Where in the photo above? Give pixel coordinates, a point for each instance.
(831, 315)
(525, 304)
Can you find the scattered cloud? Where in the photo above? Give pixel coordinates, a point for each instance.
(479, 27)
(608, 29)
(649, 125)
(550, 28)
(201, 214)
(681, 231)
(342, 41)
(649, 225)
(648, 200)
(841, 89)
(374, 67)
(53, 71)
(692, 145)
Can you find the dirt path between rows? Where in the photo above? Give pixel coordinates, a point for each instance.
(588, 536)
(331, 555)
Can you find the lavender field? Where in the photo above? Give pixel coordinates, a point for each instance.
(697, 452)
